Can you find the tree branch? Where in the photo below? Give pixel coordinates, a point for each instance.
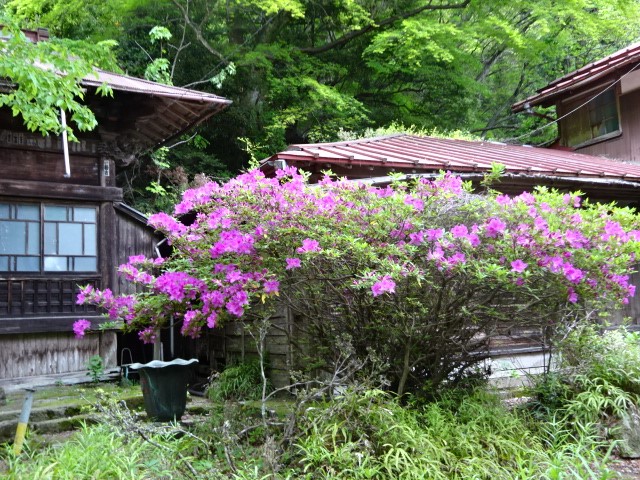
(357, 33)
(198, 32)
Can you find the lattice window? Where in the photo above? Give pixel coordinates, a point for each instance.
(48, 238)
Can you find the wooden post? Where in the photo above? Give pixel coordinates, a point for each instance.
(157, 346)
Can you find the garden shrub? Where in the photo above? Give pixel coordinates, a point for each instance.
(598, 376)
(239, 381)
(419, 274)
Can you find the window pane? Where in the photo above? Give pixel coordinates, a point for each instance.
(50, 238)
(4, 211)
(28, 212)
(55, 213)
(89, 239)
(33, 242)
(4, 264)
(55, 264)
(84, 214)
(28, 264)
(70, 240)
(13, 237)
(85, 264)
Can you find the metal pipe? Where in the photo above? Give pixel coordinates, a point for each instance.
(23, 421)
(65, 144)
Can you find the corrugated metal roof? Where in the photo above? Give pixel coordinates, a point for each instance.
(624, 60)
(138, 85)
(422, 154)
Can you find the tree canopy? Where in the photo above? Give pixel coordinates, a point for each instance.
(300, 71)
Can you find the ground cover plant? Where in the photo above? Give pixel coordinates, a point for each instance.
(363, 433)
(416, 276)
(596, 379)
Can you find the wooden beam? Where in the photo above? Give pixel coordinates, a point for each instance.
(15, 325)
(39, 190)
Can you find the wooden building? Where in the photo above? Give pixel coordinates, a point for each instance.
(597, 106)
(598, 153)
(59, 231)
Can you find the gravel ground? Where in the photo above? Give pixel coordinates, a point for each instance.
(627, 468)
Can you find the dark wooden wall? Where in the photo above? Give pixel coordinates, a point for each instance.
(627, 145)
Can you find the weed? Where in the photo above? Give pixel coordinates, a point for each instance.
(95, 368)
(242, 381)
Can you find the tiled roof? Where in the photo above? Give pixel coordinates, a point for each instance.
(624, 61)
(412, 153)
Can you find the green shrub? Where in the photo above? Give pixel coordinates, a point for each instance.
(242, 381)
(599, 377)
(370, 435)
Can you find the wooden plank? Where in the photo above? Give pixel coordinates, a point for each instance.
(33, 189)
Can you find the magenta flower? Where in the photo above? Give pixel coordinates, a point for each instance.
(459, 231)
(434, 233)
(385, 284)
(518, 266)
(80, 327)
(416, 238)
(309, 245)
(293, 263)
(572, 274)
(494, 227)
(271, 286)
(211, 320)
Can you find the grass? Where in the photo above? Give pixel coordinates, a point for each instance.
(362, 434)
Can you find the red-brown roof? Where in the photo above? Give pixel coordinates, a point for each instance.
(170, 110)
(412, 153)
(138, 85)
(622, 62)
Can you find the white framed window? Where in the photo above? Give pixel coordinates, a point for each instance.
(48, 238)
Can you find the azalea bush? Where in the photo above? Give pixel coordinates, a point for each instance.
(418, 275)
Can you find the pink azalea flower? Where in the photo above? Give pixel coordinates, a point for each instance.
(309, 245)
(385, 284)
(459, 231)
(494, 227)
(271, 286)
(80, 327)
(518, 266)
(293, 263)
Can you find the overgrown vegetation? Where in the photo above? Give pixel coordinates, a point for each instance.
(95, 367)
(597, 377)
(362, 433)
(239, 381)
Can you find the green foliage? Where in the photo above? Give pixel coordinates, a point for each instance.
(241, 381)
(95, 368)
(94, 452)
(368, 435)
(300, 71)
(599, 376)
(37, 90)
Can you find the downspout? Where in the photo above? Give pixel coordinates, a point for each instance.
(23, 421)
(65, 144)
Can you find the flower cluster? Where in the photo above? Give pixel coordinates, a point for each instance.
(254, 236)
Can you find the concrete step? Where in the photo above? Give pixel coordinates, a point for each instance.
(63, 414)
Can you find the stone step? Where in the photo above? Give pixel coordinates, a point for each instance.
(65, 416)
